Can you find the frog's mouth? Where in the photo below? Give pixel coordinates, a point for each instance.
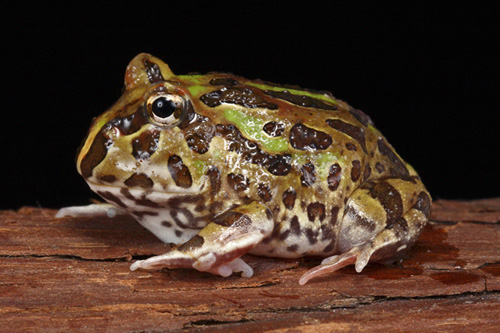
(130, 196)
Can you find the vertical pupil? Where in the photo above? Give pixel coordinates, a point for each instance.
(163, 107)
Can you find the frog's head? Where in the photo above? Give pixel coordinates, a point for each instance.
(139, 143)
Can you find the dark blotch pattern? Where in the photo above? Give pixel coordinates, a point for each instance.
(399, 168)
(192, 244)
(307, 174)
(312, 236)
(228, 218)
(108, 178)
(273, 128)
(316, 210)
(306, 138)
(264, 192)
(334, 177)
(108, 196)
(424, 203)
(95, 155)
(238, 182)
(153, 71)
(367, 173)
(132, 123)
(389, 198)
(179, 172)
(223, 81)
(289, 197)
(295, 226)
(355, 132)
(215, 181)
(278, 165)
(356, 170)
(139, 180)
(301, 100)
(145, 144)
(198, 142)
(351, 146)
(362, 117)
(380, 167)
(236, 95)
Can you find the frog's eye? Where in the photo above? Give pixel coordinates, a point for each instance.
(165, 109)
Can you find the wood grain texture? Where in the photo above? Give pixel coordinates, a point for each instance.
(72, 274)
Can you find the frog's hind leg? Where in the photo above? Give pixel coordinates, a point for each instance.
(217, 248)
(381, 222)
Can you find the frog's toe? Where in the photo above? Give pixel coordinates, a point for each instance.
(332, 264)
(94, 210)
(237, 265)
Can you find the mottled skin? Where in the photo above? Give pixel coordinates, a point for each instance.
(235, 166)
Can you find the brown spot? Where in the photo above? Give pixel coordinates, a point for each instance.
(316, 210)
(289, 197)
(178, 233)
(139, 180)
(362, 117)
(132, 123)
(295, 226)
(95, 154)
(312, 236)
(327, 232)
(292, 248)
(141, 214)
(301, 100)
(108, 178)
(280, 165)
(307, 174)
(144, 145)
(334, 177)
(380, 167)
(179, 172)
(236, 95)
(223, 81)
(228, 218)
(356, 170)
(367, 172)
(153, 71)
(194, 243)
(351, 146)
(306, 138)
(273, 128)
(264, 192)
(166, 224)
(334, 216)
(389, 198)
(190, 222)
(423, 203)
(108, 196)
(198, 143)
(238, 182)
(214, 176)
(355, 132)
(399, 169)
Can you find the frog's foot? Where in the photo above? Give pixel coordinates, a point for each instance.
(217, 248)
(94, 210)
(374, 227)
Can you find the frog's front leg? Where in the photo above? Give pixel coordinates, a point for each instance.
(217, 248)
(381, 222)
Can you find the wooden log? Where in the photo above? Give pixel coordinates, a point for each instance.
(72, 274)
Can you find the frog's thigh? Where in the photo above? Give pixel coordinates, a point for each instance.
(381, 221)
(218, 246)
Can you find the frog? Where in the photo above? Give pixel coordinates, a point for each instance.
(219, 166)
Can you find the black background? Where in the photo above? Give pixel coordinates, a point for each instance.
(426, 73)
